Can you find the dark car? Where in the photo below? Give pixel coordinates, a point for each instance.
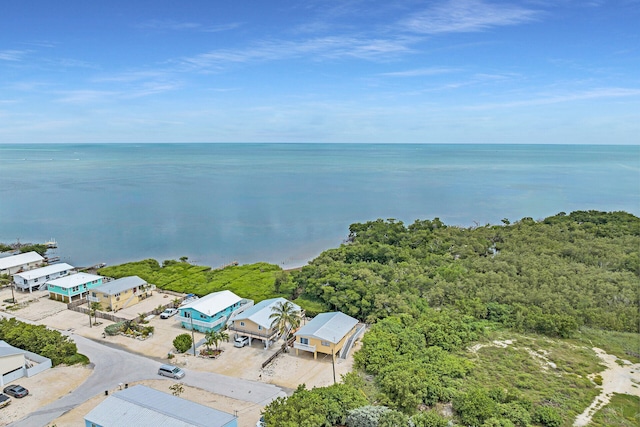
(16, 391)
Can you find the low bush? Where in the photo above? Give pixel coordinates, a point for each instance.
(182, 342)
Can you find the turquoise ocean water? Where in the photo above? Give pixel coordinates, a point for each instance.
(286, 203)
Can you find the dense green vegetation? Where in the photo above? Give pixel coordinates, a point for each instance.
(431, 290)
(254, 281)
(555, 287)
(38, 339)
(549, 277)
(325, 406)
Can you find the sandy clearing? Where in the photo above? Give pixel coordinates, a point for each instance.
(623, 379)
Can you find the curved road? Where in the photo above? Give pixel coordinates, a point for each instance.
(113, 366)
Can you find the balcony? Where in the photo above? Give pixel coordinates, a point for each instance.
(305, 347)
(266, 334)
(200, 323)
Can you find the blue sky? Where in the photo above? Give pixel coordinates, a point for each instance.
(456, 71)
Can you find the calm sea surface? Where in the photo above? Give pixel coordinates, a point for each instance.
(286, 203)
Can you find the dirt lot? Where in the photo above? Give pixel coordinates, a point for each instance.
(287, 371)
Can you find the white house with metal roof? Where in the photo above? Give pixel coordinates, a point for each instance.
(326, 333)
(36, 279)
(73, 287)
(121, 293)
(255, 322)
(212, 311)
(21, 262)
(143, 406)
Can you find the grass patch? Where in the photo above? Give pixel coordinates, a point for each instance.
(625, 345)
(514, 368)
(622, 411)
(76, 359)
(253, 281)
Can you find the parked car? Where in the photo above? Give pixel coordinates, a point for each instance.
(4, 400)
(168, 313)
(240, 341)
(16, 390)
(171, 371)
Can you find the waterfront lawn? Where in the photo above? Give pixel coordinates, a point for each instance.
(253, 281)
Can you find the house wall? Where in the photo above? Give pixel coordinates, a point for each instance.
(118, 301)
(251, 327)
(24, 284)
(22, 267)
(69, 294)
(202, 322)
(330, 348)
(11, 363)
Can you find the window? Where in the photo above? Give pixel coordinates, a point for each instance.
(187, 314)
(325, 343)
(47, 277)
(117, 295)
(26, 282)
(35, 280)
(75, 289)
(93, 294)
(304, 341)
(259, 327)
(241, 323)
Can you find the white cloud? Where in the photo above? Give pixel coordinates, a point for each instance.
(421, 72)
(456, 16)
(316, 48)
(598, 93)
(163, 25)
(12, 55)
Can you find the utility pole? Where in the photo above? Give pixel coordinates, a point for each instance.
(333, 360)
(89, 307)
(193, 336)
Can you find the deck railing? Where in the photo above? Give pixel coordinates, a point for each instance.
(305, 347)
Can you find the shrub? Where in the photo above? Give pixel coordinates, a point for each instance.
(182, 342)
(475, 406)
(598, 379)
(393, 418)
(114, 329)
(429, 419)
(38, 339)
(365, 416)
(547, 416)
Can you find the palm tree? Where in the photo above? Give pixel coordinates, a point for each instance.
(95, 308)
(215, 338)
(285, 317)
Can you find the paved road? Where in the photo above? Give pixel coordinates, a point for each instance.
(113, 366)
